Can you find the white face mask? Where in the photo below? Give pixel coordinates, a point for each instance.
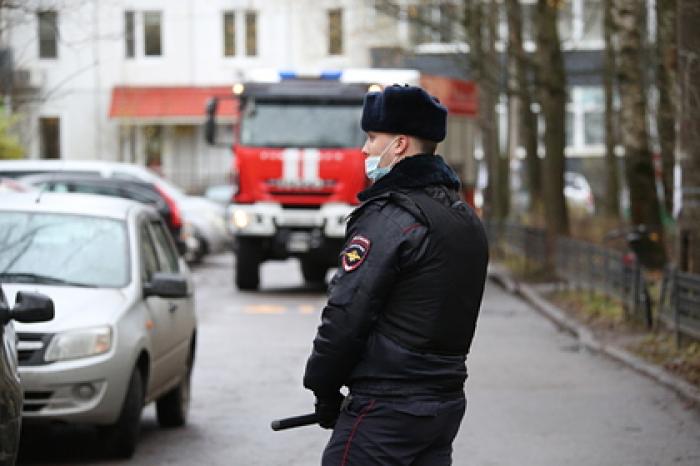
(372, 169)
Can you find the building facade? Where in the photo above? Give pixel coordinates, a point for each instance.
(79, 66)
(127, 80)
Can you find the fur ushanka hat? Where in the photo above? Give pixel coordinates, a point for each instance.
(405, 110)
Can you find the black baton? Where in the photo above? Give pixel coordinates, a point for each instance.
(296, 421)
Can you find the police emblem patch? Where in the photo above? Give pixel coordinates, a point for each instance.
(355, 253)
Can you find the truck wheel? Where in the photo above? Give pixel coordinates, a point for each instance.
(313, 271)
(247, 265)
(121, 437)
(173, 407)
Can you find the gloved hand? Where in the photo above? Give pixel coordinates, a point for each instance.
(328, 409)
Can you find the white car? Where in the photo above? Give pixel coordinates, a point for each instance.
(124, 332)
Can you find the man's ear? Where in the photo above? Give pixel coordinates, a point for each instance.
(403, 144)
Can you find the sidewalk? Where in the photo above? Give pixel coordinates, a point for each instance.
(538, 396)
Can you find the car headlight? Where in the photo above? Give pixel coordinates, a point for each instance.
(240, 219)
(79, 344)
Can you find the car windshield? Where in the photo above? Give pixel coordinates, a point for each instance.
(268, 124)
(61, 249)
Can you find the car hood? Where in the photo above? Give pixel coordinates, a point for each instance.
(75, 307)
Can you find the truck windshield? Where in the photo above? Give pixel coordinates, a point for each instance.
(301, 125)
(62, 249)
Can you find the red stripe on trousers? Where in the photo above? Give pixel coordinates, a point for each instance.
(354, 429)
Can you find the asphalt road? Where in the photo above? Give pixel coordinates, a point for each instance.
(534, 397)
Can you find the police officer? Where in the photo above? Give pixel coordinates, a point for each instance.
(402, 307)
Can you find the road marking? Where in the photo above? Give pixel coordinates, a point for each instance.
(304, 309)
(264, 309)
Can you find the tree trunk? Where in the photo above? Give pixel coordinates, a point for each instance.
(639, 169)
(612, 184)
(689, 133)
(666, 85)
(502, 157)
(551, 80)
(523, 92)
(483, 63)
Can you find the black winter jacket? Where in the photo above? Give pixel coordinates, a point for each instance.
(402, 307)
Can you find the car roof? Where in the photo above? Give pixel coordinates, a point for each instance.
(83, 177)
(80, 204)
(104, 168)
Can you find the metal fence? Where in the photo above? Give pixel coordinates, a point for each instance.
(580, 264)
(680, 303)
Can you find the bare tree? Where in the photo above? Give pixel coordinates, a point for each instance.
(522, 67)
(481, 28)
(612, 183)
(666, 84)
(639, 170)
(551, 82)
(689, 133)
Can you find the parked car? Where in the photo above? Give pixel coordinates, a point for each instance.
(125, 327)
(139, 191)
(9, 185)
(578, 193)
(29, 307)
(111, 170)
(207, 221)
(220, 193)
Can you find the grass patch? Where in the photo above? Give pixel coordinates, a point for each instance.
(599, 312)
(527, 272)
(661, 349)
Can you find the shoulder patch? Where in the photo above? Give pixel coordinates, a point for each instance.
(355, 253)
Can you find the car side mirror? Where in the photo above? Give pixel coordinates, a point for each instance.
(29, 307)
(166, 285)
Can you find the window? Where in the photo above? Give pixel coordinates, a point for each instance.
(152, 33)
(251, 33)
(167, 257)
(566, 21)
(149, 257)
(592, 21)
(50, 138)
(48, 34)
(335, 32)
(229, 34)
(129, 29)
(448, 12)
(153, 136)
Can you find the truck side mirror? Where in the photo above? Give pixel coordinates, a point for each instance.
(210, 124)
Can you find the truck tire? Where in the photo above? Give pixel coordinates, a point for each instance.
(247, 273)
(173, 407)
(121, 437)
(313, 271)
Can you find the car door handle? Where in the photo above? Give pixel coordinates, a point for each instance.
(172, 307)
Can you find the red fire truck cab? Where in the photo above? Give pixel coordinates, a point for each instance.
(297, 166)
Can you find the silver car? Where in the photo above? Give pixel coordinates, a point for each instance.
(124, 332)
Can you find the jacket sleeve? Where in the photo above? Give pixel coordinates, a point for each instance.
(357, 294)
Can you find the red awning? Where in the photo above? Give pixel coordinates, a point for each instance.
(170, 104)
(460, 97)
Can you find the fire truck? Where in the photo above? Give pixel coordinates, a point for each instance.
(297, 165)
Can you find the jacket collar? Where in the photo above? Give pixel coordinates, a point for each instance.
(414, 172)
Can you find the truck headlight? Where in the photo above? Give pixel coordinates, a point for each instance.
(79, 344)
(240, 219)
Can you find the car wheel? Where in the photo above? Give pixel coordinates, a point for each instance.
(247, 265)
(313, 271)
(122, 436)
(173, 407)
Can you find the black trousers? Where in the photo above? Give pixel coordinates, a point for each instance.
(376, 431)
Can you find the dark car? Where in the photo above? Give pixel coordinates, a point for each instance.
(29, 307)
(139, 191)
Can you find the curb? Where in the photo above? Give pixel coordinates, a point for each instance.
(588, 339)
